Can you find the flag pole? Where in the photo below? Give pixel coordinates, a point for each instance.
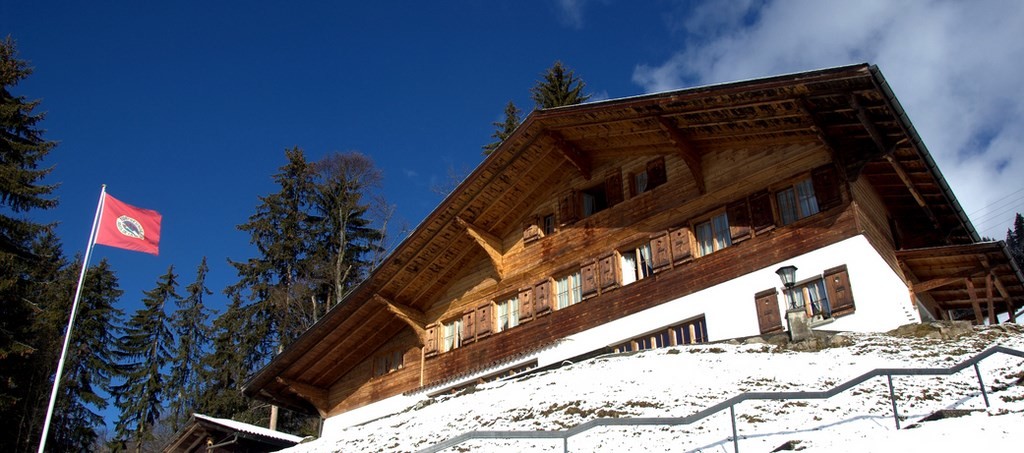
(71, 322)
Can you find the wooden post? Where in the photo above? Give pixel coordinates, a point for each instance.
(991, 305)
(979, 318)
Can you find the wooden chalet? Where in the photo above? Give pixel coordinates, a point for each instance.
(657, 220)
(205, 434)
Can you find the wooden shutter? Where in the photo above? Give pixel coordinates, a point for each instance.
(826, 187)
(656, 173)
(761, 217)
(568, 212)
(606, 269)
(542, 298)
(430, 342)
(660, 254)
(613, 188)
(739, 221)
(769, 317)
(588, 277)
(525, 305)
(679, 242)
(468, 330)
(531, 231)
(837, 285)
(483, 321)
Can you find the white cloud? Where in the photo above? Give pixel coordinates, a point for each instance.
(572, 12)
(955, 66)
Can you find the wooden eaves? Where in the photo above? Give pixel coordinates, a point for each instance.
(807, 107)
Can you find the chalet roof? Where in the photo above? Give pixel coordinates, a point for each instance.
(194, 435)
(850, 110)
(949, 274)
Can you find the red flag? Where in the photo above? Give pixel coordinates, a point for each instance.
(128, 227)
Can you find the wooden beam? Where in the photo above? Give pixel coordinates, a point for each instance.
(687, 151)
(819, 129)
(988, 297)
(316, 396)
(490, 243)
(929, 285)
(869, 126)
(413, 317)
(978, 317)
(573, 155)
(902, 173)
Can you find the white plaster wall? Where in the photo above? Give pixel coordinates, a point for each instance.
(881, 298)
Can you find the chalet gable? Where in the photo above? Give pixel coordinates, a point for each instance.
(577, 167)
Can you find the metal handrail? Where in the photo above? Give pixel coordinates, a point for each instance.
(732, 402)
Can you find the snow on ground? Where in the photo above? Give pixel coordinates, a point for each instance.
(678, 381)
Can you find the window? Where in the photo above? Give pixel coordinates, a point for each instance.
(689, 332)
(452, 335)
(640, 182)
(388, 362)
(713, 235)
(594, 200)
(650, 177)
(567, 290)
(635, 263)
(548, 225)
(797, 202)
(812, 296)
(508, 314)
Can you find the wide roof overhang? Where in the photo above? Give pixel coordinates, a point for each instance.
(849, 110)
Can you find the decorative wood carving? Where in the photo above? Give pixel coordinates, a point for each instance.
(489, 243)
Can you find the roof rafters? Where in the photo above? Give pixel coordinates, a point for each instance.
(314, 395)
(571, 153)
(687, 151)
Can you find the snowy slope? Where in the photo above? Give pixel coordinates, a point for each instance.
(675, 382)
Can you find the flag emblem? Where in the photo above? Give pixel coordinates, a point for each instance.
(130, 227)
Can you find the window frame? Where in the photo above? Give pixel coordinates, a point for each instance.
(510, 304)
(454, 324)
(573, 293)
(801, 200)
(638, 271)
(719, 239)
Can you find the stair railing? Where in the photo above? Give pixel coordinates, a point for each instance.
(732, 402)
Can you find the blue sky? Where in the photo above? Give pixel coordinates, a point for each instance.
(187, 107)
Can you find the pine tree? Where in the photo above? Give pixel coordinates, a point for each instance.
(22, 149)
(90, 363)
(559, 87)
(504, 129)
(281, 233)
(193, 333)
(1015, 240)
(145, 351)
(51, 295)
(228, 363)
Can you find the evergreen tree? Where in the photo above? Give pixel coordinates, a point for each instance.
(280, 230)
(190, 325)
(90, 363)
(1015, 240)
(145, 351)
(22, 149)
(228, 363)
(50, 294)
(559, 87)
(504, 129)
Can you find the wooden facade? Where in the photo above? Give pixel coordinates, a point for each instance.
(591, 213)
